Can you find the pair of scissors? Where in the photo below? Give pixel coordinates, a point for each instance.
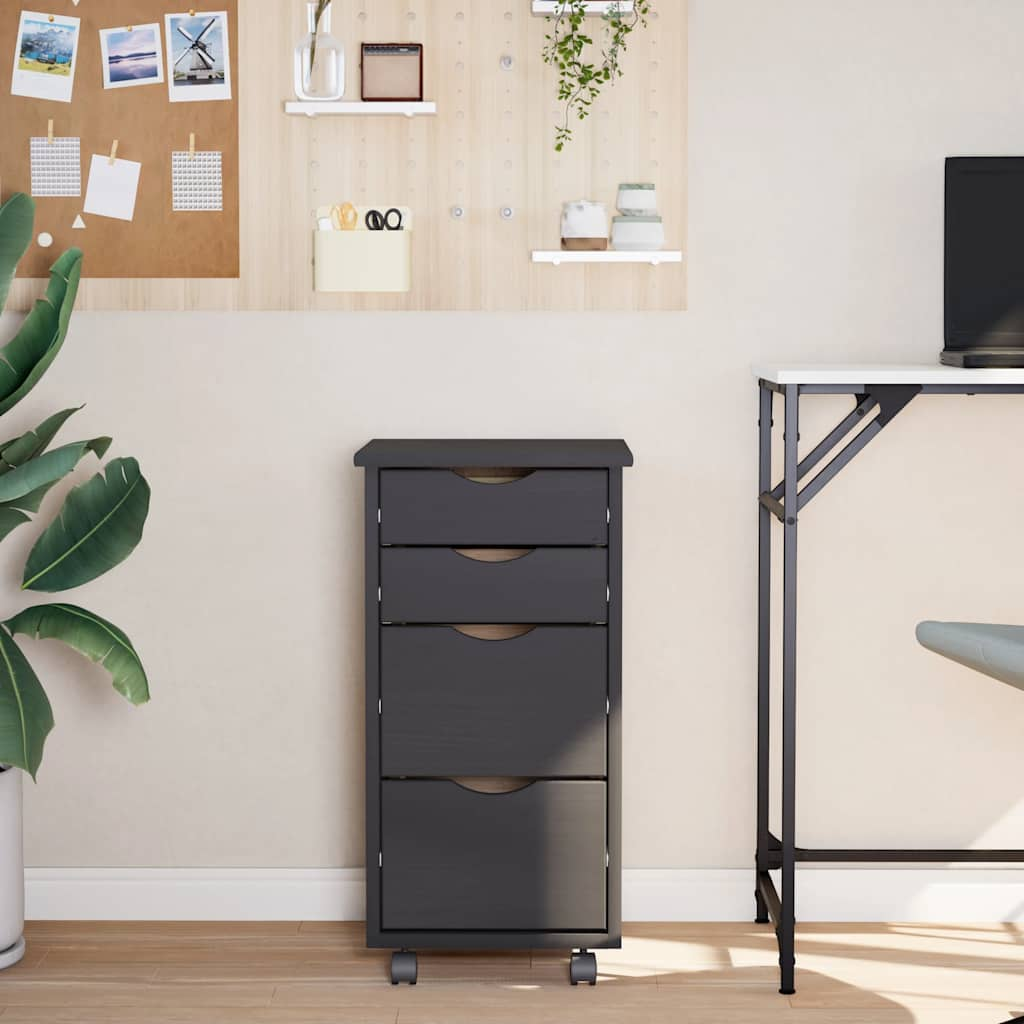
(377, 221)
(344, 217)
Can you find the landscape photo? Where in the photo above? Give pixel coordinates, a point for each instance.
(45, 55)
(131, 56)
(47, 49)
(198, 56)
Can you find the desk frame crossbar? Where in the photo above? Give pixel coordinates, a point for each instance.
(875, 407)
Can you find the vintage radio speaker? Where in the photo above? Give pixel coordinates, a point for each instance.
(392, 71)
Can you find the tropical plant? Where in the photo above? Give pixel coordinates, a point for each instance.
(98, 526)
(566, 48)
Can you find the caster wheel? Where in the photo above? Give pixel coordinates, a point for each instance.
(403, 968)
(583, 967)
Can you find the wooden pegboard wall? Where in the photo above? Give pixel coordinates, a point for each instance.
(490, 146)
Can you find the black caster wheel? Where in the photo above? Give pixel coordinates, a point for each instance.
(403, 968)
(583, 967)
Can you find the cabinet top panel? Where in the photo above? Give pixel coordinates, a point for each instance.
(530, 454)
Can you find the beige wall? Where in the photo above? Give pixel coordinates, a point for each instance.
(818, 132)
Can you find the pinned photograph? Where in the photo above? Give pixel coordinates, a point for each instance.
(45, 55)
(198, 57)
(131, 56)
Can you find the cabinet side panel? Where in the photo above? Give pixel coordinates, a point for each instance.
(372, 691)
(615, 704)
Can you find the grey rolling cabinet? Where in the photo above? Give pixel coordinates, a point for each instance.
(493, 697)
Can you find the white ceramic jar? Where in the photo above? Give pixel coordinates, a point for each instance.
(637, 234)
(584, 225)
(637, 199)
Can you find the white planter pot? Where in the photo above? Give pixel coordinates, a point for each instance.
(12, 870)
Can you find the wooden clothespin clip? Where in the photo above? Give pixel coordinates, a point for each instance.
(113, 153)
(49, 131)
(191, 145)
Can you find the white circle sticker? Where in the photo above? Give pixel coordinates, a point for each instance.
(45, 240)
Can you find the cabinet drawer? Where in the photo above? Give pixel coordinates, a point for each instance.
(530, 860)
(532, 705)
(548, 506)
(538, 586)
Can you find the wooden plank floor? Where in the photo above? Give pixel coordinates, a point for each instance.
(292, 973)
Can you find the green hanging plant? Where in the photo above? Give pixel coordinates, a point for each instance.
(567, 49)
(98, 526)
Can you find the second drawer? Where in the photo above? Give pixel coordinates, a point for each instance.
(445, 585)
(455, 705)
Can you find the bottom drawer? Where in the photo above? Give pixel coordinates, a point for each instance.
(531, 860)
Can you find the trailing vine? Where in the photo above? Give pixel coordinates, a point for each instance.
(566, 49)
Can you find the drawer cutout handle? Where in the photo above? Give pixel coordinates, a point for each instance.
(493, 632)
(496, 555)
(492, 785)
(493, 474)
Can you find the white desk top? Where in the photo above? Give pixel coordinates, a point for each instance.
(880, 373)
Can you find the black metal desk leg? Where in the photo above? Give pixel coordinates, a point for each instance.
(764, 623)
(788, 917)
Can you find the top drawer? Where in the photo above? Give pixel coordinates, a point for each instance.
(547, 506)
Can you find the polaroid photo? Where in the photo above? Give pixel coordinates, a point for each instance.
(197, 182)
(131, 56)
(113, 188)
(45, 56)
(198, 57)
(56, 166)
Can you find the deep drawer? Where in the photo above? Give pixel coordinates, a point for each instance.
(446, 585)
(532, 860)
(549, 506)
(533, 705)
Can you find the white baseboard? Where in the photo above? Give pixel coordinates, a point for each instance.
(255, 894)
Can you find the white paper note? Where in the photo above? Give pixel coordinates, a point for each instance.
(197, 183)
(56, 166)
(112, 188)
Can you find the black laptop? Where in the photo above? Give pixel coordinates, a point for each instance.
(984, 262)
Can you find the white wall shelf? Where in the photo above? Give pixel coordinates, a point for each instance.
(654, 257)
(395, 108)
(593, 6)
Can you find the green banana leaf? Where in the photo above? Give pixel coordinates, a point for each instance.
(16, 219)
(97, 528)
(97, 639)
(19, 450)
(28, 355)
(26, 717)
(10, 519)
(43, 472)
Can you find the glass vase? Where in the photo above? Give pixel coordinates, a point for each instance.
(319, 68)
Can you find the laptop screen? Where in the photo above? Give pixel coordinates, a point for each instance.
(984, 252)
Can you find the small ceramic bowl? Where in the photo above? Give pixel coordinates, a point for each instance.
(637, 199)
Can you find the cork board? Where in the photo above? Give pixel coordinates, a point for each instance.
(157, 242)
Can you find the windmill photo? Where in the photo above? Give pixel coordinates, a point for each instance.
(203, 60)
